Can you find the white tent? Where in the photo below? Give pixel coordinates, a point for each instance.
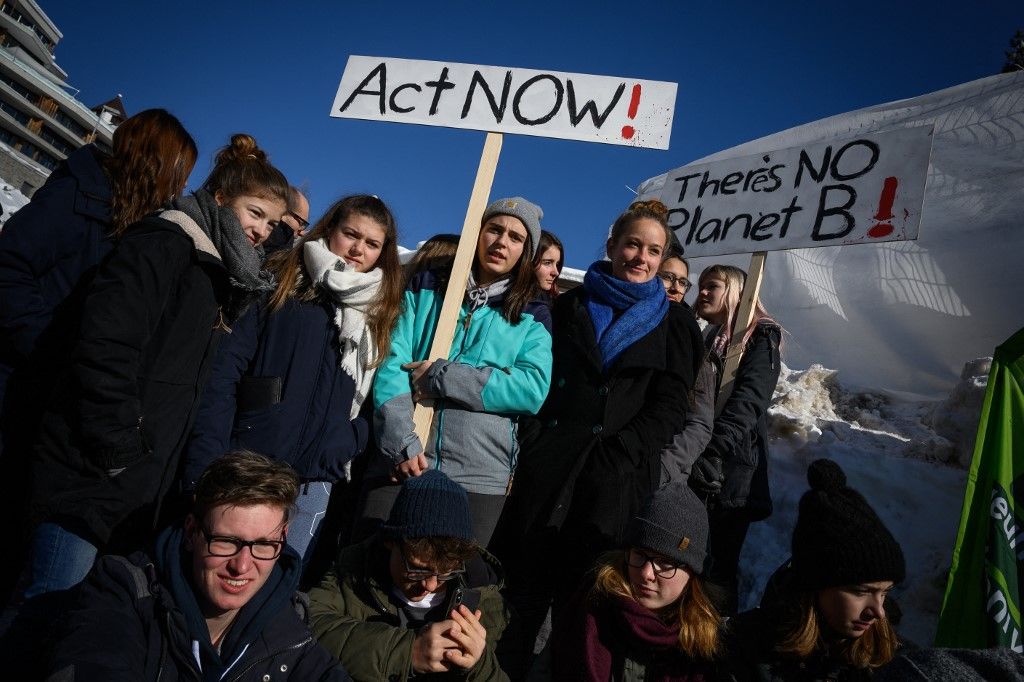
(905, 316)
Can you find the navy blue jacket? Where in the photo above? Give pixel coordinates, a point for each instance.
(305, 421)
(46, 248)
(126, 625)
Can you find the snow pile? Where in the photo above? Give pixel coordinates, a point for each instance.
(905, 456)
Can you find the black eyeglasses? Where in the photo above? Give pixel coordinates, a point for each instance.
(420, 574)
(669, 279)
(663, 568)
(224, 546)
(303, 223)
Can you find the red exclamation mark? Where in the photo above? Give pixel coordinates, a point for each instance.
(634, 104)
(885, 202)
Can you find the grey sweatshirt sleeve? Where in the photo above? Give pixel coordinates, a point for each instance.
(678, 456)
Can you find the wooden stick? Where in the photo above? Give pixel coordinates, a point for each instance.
(744, 316)
(454, 294)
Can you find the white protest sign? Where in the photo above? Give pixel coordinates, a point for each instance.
(624, 111)
(858, 190)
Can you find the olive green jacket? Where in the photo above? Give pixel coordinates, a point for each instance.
(351, 615)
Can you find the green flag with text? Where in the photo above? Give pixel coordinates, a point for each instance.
(982, 606)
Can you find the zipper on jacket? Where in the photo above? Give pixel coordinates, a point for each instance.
(439, 406)
(241, 673)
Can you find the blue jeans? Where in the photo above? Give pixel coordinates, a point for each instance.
(310, 508)
(60, 560)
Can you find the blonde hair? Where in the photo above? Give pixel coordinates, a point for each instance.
(734, 279)
(699, 622)
(802, 637)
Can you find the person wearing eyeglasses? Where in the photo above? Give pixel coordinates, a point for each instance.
(674, 273)
(419, 597)
(643, 613)
(293, 223)
(216, 599)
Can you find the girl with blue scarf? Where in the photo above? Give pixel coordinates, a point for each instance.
(624, 362)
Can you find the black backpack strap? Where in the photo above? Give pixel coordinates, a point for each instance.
(139, 577)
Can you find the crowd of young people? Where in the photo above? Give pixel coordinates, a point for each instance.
(582, 459)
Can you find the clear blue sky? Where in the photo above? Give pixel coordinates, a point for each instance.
(744, 69)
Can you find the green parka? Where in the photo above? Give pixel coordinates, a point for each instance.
(352, 616)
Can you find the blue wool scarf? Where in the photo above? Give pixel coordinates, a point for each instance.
(640, 308)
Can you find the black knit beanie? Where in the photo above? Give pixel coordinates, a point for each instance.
(838, 539)
(429, 505)
(673, 522)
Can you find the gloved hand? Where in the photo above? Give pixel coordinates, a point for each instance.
(706, 476)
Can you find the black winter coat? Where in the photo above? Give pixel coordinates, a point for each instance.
(277, 388)
(45, 250)
(740, 435)
(592, 455)
(126, 626)
(110, 443)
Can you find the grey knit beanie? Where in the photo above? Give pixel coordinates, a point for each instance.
(527, 211)
(429, 505)
(673, 522)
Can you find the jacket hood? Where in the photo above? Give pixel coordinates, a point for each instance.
(174, 563)
(93, 196)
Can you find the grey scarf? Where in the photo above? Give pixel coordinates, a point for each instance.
(243, 262)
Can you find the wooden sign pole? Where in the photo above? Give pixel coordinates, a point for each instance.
(455, 293)
(744, 315)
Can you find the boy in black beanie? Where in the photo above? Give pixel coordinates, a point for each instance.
(417, 598)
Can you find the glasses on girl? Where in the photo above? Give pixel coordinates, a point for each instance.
(662, 567)
(668, 279)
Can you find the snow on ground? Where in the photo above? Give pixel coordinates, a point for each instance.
(10, 201)
(907, 457)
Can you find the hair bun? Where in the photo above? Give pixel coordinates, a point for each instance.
(824, 474)
(652, 205)
(242, 147)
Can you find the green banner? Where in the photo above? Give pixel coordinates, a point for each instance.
(982, 606)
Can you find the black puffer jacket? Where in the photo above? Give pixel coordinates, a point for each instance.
(593, 453)
(740, 435)
(110, 442)
(127, 626)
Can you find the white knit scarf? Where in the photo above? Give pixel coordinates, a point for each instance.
(353, 293)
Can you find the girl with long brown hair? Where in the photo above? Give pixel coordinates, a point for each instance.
(824, 616)
(49, 251)
(292, 377)
(498, 368)
(644, 614)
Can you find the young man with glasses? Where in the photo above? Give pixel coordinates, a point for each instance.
(216, 599)
(293, 223)
(417, 598)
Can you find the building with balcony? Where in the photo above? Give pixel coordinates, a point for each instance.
(40, 121)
